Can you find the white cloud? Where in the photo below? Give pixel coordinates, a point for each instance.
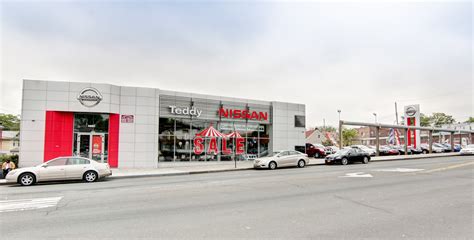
(356, 57)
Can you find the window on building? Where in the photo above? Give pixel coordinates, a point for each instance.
(176, 140)
(300, 121)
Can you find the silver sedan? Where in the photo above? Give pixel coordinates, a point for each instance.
(61, 168)
(282, 159)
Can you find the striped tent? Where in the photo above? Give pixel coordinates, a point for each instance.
(234, 135)
(210, 132)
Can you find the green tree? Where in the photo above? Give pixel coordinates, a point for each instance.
(327, 142)
(327, 128)
(348, 136)
(9, 122)
(425, 121)
(470, 120)
(438, 119)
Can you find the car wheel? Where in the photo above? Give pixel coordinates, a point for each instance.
(90, 176)
(344, 161)
(425, 152)
(316, 155)
(27, 179)
(272, 165)
(327, 162)
(365, 160)
(301, 163)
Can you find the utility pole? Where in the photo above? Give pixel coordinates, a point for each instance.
(324, 123)
(396, 113)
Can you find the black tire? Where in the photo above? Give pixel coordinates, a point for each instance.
(344, 161)
(327, 163)
(316, 155)
(365, 160)
(27, 179)
(301, 163)
(272, 165)
(425, 151)
(90, 176)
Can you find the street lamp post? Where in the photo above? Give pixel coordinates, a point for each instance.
(340, 129)
(375, 115)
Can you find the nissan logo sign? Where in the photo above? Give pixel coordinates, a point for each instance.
(410, 111)
(89, 97)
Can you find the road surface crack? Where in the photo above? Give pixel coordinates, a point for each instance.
(364, 204)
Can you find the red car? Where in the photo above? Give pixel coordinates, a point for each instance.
(388, 151)
(315, 150)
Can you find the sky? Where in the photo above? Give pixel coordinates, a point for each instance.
(359, 57)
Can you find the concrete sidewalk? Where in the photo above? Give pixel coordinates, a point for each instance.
(229, 166)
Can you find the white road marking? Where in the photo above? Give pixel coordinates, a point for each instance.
(358, 175)
(28, 204)
(402, 170)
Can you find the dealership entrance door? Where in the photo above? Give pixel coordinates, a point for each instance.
(90, 145)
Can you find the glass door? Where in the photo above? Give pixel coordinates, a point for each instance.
(90, 145)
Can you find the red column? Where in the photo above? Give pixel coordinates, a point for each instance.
(414, 133)
(114, 124)
(58, 134)
(408, 141)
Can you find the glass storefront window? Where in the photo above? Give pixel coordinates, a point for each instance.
(176, 141)
(166, 126)
(166, 148)
(91, 136)
(87, 122)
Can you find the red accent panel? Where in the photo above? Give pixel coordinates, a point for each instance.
(408, 141)
(114, 124)
(58, 134)
(414, 133)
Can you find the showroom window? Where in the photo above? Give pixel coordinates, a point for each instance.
(300, 121)
(176, 140)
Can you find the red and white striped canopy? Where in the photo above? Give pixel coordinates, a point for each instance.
(210, 132)
(234, 135)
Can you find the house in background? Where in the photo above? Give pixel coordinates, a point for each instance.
(318, 136)
(9, 142)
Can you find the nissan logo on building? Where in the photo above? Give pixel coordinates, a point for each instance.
(410, 111)
(89, 97)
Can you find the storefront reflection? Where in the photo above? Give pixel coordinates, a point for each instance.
(176, 141)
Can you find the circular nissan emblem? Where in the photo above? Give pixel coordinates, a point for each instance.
(89, 97)
(411, 111)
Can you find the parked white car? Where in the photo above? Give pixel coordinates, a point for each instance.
(468, 150)
(282, 159)
(366, 149)
(61, 168)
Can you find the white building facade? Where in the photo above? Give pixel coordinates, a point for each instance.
(133, 127)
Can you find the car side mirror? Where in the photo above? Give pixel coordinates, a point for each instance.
(44, 165)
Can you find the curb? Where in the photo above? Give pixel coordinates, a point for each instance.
(421, 156)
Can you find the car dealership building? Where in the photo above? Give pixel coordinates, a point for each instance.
(134, 127)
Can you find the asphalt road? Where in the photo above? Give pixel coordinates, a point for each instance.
(422, 199)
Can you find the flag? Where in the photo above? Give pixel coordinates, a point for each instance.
(394, 137)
